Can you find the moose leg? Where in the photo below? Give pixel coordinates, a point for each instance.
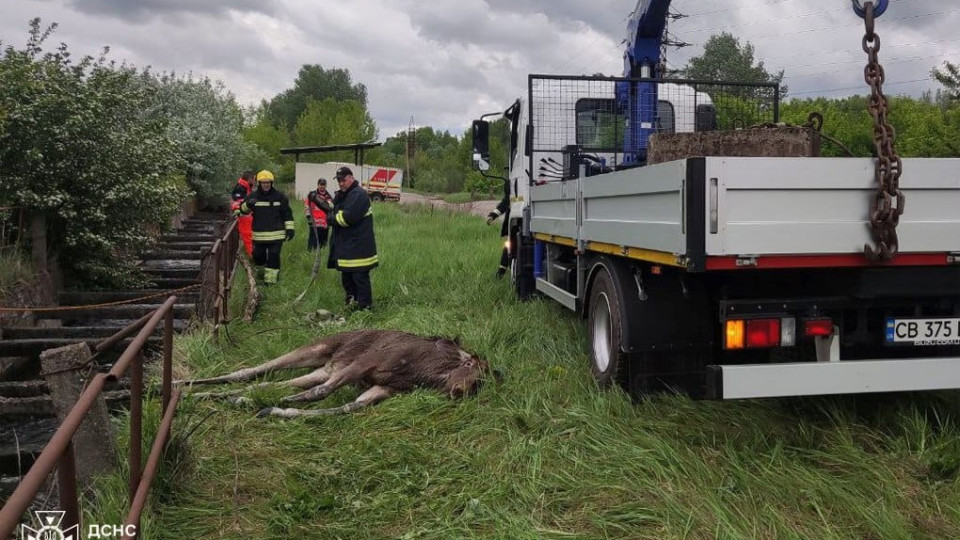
(310, 356)
(374, 394)
(305, 381)
(350, 374)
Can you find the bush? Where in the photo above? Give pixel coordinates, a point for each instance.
(78, 143)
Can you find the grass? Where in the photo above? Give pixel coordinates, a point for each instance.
(543, 454)
(15, 268)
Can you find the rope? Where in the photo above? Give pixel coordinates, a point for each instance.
(4, 309)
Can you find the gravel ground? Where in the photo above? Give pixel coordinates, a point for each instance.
(479, 208)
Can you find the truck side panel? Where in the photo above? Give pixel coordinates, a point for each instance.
(769, 206)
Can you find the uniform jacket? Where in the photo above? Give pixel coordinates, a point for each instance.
(271, 215)
(318, 212)
(353, 247)
(240, 192)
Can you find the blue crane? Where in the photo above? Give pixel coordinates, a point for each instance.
(642, 59)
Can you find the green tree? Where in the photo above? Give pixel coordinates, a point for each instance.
(313, 83)
(333, 122)
(725, 59)
(949, 78)
(77, 146)
(206, 124)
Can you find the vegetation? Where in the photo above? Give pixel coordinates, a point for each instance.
(106, 151)
(544, 454)
(725, 59)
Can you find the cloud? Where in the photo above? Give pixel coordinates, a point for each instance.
(143, 11)
(444, 63)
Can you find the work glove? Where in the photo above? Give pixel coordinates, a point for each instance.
(289, 234)
(492, 216)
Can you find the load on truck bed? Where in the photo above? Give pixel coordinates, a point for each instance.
(730, 276)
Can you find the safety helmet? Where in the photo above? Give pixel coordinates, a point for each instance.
(264, 176)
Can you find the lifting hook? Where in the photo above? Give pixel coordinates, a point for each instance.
(878, 8)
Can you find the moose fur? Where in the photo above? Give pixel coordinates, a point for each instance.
(384, 361)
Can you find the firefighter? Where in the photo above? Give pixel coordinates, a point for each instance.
(318, 204)
(272, 225)
(353, 248)
(504, 209)
(245, 223)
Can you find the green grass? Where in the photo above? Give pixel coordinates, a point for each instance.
(15, 268)
(543, 454)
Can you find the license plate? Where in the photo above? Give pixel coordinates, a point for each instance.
(923, 332)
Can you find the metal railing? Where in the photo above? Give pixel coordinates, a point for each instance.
(58, 453)
(216, 274)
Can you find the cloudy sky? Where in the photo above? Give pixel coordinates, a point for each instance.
(444, 62)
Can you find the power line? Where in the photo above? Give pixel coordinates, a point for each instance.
(861, 87)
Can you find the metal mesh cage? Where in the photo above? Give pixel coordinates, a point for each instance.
(604, 122)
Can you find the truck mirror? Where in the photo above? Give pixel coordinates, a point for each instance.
(481, 145)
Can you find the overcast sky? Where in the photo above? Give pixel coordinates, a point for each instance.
(445, 62)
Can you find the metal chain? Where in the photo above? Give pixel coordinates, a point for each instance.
(887, 203)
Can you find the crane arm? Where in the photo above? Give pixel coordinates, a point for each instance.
(645, 28)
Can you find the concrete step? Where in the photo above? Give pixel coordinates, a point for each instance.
(173, 283)
(124, 311)
(183, 246)
(171, 255)
(188, 238)
(33, 347)
(181, 273)
(63, 332)
(86, 298)
(42, 406)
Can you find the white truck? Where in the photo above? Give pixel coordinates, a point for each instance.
(727, 277)
(381, 183)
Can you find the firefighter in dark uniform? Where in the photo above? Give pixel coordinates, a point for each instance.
(353, 248)
(504, 209)
(272, 225)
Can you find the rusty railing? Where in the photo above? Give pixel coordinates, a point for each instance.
(216, 274)
(58, 453)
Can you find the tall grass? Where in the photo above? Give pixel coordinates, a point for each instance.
(543, 454)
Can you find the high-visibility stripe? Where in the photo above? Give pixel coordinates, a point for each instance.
(269, 236)
(356, 263)
(244, 209)
(263, 203)
(369, 213)
(288, 224)
(340, 220)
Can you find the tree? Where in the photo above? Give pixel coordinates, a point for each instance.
(949, 78)
(206, 124)
(334, 122)
(77, 146)
(725, 59)
(313, 83)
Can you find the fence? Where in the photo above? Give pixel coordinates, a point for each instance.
(216, 274)
(59, 451)
(611, 116)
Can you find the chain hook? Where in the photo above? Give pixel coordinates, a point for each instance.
(878, 8)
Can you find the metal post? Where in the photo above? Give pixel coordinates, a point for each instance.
(167, 359)
(136, 422)
(67, 482)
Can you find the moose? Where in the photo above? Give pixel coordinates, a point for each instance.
(385, 362)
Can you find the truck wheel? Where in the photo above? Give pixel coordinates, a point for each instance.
(521, 267)
(608, 363)
(377, 197)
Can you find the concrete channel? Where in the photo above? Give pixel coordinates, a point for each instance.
(26, 415)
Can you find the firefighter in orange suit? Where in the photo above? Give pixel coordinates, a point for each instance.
(245, 222)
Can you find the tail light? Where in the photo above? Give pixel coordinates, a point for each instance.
(734, 335)
(760, 333)
(817, 327)
(763, 333)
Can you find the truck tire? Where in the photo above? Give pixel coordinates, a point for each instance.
(605, 326)
(521, 266)
(376, 196)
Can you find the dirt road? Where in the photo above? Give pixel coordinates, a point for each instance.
(479, 208)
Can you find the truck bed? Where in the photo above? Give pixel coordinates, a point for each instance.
(726, 212)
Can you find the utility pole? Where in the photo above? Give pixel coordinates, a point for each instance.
(410, 147)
